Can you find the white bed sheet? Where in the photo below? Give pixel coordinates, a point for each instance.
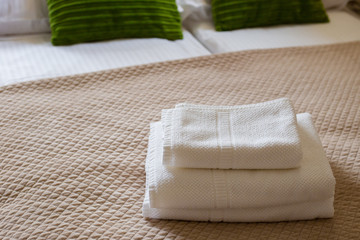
(343, 27)
(32, 57)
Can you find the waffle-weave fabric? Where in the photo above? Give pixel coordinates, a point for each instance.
(255, 136)
(73, 148)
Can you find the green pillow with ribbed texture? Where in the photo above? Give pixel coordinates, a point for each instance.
(76, 21)
(237, 14)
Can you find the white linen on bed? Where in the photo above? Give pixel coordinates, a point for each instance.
(343, 27)
(33, 57)
(296, 211)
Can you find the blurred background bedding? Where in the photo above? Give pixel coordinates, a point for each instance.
(27, 53)
(31, 57)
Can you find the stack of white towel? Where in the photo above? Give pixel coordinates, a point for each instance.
(258, 162)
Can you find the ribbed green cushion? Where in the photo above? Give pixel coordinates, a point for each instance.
(76, 21)
(236, 14)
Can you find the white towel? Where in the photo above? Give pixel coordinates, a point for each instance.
(174, 188)
(256, 136)
(296, 211)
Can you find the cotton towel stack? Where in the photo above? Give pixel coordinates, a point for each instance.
(258, 162)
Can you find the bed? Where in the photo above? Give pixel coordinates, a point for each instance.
(74, 122)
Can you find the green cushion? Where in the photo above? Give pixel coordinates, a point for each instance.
(236, 14)
(76, 21)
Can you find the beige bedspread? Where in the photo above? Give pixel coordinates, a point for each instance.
(72, 149)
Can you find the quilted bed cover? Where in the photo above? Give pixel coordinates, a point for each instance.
(72, 149)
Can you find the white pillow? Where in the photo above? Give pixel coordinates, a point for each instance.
(334, 3)
(201, 9)
(198, 9)
(23, 16)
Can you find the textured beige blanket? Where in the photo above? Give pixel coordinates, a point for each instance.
(72, 149)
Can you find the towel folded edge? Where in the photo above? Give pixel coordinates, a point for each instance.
(298, 211)
(224, 107)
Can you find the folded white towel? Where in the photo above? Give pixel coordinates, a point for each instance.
(296, 211)
(173, 188)
(256, 136)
